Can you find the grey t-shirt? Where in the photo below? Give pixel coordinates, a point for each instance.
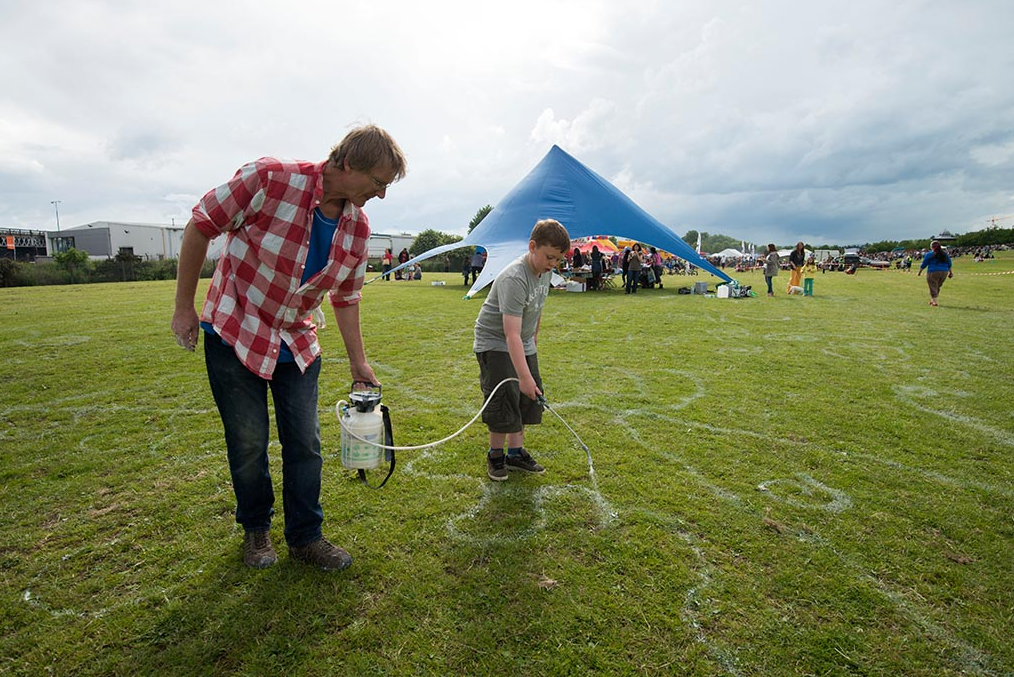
(517, 292)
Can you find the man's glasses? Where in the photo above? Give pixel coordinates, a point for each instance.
(377, 182)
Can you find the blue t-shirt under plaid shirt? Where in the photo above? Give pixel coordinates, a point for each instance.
(321, 235)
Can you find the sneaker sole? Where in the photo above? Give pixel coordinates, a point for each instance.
(496, 478)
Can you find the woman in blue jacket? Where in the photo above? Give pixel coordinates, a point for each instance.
(938, 265)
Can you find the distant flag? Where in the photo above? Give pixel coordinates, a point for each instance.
(742, 246)
(699, 243)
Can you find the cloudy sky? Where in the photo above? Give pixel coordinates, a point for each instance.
(831, 122)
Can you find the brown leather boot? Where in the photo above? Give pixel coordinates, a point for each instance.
(257, 550)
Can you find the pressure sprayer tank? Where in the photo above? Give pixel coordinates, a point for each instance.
(363, 419)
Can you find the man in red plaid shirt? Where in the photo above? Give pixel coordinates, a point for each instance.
(295, 233)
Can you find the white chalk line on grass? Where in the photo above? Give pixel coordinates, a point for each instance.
(64, 341)
(785, 441)
(539, 495)
(908, 394)
(604, 512)
(84, 445)
(694, 600)
(935, 476)
(885, 354)
(971, 657)
(91, 409)
(808, 487)
(31, 599)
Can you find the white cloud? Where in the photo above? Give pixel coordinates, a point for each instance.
(842, 120)
(588, 131)
(994, 155)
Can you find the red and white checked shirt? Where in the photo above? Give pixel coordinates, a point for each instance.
(256, 301)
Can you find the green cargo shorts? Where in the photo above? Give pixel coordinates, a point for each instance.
(510, 410)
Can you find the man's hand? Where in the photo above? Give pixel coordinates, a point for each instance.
(363, 372)
(185, 326)
(193, 251)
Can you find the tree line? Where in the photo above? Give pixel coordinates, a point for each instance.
(73, 266)
(979, 238)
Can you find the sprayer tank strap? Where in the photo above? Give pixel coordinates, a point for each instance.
(388, 453)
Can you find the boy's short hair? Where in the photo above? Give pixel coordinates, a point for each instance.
(552, 233)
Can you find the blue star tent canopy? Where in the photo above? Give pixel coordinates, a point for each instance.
(562, 188)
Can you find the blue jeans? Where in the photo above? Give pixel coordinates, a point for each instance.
(767, 278)
(242, 399)
(633, 280)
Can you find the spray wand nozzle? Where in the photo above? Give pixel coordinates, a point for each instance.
(542, 400)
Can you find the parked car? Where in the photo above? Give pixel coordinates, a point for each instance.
(874, 263)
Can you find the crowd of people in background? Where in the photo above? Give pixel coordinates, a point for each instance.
(643, 267)
(848, 263)
(637, 267)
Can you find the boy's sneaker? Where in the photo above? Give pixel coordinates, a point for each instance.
(495, 467)
(524, 461)
(322, 554)
(257, 550)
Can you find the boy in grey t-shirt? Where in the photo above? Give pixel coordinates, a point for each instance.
(505, 335)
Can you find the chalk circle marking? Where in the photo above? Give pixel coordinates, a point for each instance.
(816, 494)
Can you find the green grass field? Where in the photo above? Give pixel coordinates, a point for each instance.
(787, 486)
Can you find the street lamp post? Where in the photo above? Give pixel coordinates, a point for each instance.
(56, 205)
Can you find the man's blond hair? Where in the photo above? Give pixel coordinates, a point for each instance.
(368, 147)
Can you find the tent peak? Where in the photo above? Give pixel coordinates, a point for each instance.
(560, 187)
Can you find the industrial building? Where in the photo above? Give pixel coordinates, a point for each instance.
(106, 239)
(149, 241)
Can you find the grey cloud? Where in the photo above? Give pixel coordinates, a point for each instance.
(773, 120)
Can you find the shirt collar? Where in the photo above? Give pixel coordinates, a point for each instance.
(318, 186)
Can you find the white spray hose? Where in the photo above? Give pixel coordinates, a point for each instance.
(431, 444)
(542, 401)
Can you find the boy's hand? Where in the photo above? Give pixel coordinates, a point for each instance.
(528, 387)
